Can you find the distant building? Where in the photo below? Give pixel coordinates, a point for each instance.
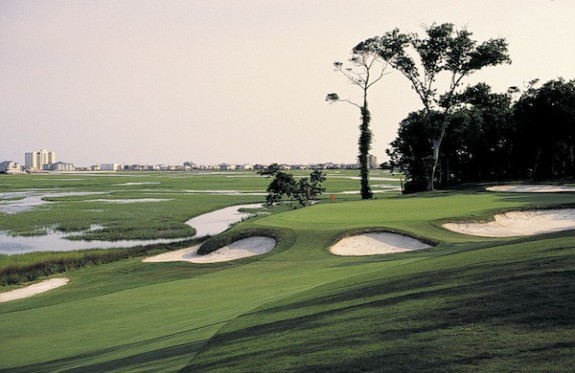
(10, 167)
(59, 166)
(35, 161)
(134, 167)
(110, 167)
(189, 165)
(373, 161)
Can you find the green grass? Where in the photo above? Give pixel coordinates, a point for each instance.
(468, 304)
(502, 308)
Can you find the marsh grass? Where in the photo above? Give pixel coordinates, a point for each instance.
(120, 221)
(24, 268)
(147, 220)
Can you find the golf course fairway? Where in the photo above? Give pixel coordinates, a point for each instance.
(466, 304)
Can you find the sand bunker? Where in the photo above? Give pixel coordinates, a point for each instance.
(519, 223)
(244, 248)
(531, 188)
(34, 289)
(376, 243)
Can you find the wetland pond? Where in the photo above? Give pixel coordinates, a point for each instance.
(210, 223)
(16, 202)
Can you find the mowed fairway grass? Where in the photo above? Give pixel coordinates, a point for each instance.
(467, 304)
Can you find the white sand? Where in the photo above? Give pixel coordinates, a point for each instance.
(376, 243)
(531, 188)
(34, 289)
(247, 247)
(519, 223)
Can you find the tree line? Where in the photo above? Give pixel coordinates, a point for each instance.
(493, 137)
(462, 134)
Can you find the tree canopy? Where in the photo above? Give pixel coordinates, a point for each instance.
(545, 121)
(304, 191)
(494, 138)
(442, 50)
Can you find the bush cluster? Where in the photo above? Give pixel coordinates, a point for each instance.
(283, 184)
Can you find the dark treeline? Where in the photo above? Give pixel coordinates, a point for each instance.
(492, 137)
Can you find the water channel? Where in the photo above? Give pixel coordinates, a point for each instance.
(210, 223)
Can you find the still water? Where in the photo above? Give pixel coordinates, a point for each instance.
(210, 223)
(16, 202)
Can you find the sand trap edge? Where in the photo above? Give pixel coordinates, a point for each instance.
(376, 243)
(244, 248)
(518, 223)
(530, 188)
(34, 289)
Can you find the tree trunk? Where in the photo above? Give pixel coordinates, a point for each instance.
(535, 169)
(364, 145)
(436, 144)
(571, 170)
(430, 182)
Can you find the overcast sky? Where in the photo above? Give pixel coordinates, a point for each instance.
(212, 81)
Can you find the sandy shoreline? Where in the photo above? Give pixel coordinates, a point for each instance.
(376, 243)
(244, 248)
(38, 288)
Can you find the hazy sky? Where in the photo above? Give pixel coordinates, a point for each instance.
(211, 81)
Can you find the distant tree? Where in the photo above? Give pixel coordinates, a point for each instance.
(283, 184)
(270, 170)
(307, 189)
(545, 122)
(422, 59)
(366, 70)
(385, 166)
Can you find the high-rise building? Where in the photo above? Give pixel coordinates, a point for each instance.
(37, 160)
(373, 161)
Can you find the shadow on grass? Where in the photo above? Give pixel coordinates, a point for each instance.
(153, 357)
(513, 315)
